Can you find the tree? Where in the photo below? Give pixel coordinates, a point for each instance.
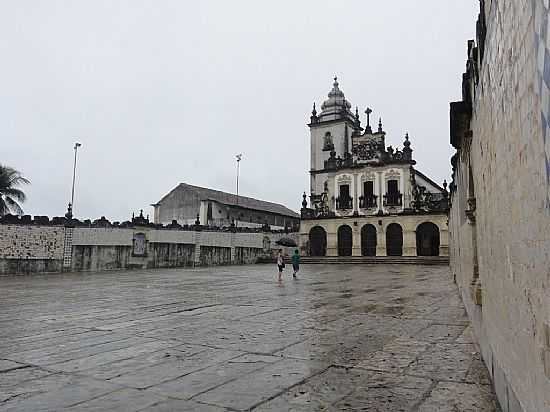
(10, 195)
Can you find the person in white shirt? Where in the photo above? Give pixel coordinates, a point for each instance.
(280, 264)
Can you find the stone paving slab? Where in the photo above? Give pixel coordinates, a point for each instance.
(211, 377)
(340, 338)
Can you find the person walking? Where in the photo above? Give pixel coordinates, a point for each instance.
(296, 262)
(280, 264)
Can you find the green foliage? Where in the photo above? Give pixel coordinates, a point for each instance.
(10, 195)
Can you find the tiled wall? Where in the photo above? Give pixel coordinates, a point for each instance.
(542, 49)
(31, 242)
(510, 175)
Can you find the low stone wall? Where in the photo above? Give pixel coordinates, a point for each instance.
(214, 255)
(248, 255)
(95, 257)
(28, 247)
(171, 255)
(27, 266)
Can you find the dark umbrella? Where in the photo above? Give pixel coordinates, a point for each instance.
(286, 241)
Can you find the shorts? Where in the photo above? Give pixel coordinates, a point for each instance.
(281, 267)
(296, 267)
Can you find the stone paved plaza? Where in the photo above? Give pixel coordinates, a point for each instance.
(340, 338)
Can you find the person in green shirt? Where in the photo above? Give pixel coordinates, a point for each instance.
(295, 262)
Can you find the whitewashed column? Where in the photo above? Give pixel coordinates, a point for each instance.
(68, 249)
(380, 189)
(355, 193)
(232, 245)
(402, 189)
(197, 255)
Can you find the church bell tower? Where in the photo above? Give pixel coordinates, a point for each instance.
(330, 131)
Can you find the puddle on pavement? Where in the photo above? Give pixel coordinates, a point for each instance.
(344, 280)
(364, 309)
(389, 310)
(318, 305)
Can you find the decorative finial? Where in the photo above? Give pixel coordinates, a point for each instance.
(314, 111)
(368, 112)
(407, 151)
(69, 214)
(356, 113)
(445, 184)
(380, 125)
(304, 202)
(198, 220)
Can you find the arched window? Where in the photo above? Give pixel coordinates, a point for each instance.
(394, 240)
(317, 241)
(368, 240)
(427, 239)
(345, 240)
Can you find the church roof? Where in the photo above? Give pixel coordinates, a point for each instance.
(230, 199)
(427, 179)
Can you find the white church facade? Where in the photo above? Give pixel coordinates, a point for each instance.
(367, 199)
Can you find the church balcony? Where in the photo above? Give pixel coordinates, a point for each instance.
(368, 202)
(344, 203)
(393, 199)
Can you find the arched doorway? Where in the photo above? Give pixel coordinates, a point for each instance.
(345, 240)
(427, 239)
(394, 240)
(317, 241)
(368, 240)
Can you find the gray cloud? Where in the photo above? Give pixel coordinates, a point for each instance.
(162, 92)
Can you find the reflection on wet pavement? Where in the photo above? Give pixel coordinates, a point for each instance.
(340, 338)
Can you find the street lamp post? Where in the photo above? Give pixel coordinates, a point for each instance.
(239, 157)
(71, 205)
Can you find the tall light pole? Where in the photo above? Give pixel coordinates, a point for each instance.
(71, 205)
(239, 157)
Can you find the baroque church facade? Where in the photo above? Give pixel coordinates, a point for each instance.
(367, 199)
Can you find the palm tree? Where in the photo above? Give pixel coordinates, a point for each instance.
(10, 195)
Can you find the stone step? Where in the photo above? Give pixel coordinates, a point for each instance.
(414, 260)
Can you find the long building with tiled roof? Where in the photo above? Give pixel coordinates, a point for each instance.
(185, 203)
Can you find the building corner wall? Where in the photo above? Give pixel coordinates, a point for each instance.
(500, 215)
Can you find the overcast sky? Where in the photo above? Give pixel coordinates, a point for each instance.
(160, 92)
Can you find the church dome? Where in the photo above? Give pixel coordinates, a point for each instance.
(336, 104)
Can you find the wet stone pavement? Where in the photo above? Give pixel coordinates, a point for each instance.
(340, 338)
